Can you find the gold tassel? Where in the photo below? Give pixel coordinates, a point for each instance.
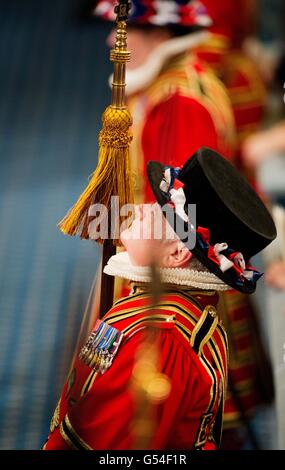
(112, 176)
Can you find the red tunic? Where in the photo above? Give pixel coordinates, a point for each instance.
(102, 410)
(184, 108)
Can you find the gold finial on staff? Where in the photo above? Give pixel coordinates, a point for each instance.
(120, 56)
(112, 176)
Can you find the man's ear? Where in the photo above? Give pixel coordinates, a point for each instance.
(178, 256)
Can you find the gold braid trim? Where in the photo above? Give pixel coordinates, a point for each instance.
(71, 437)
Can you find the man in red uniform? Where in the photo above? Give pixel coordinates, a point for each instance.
(182, 380)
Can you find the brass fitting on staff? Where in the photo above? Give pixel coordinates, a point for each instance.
(120, 55)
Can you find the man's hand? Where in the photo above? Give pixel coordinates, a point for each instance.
(275, 275)
(263, 145)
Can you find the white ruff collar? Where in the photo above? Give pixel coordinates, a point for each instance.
(142, 76)
(195, 275)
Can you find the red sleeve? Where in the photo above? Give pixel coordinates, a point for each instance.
(175, 129)
(105, 416)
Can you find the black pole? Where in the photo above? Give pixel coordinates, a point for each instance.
(107, 282)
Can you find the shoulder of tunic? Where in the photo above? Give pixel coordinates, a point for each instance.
(177, 311)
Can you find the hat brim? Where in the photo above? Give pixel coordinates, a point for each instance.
(155, 172)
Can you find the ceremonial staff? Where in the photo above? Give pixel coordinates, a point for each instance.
(112, 176)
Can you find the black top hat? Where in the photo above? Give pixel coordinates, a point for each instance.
(232, 223)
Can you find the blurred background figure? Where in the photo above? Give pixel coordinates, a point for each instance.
(54, 71)
(176, 102)
(234, 25)
(264, 151)
(263, 154)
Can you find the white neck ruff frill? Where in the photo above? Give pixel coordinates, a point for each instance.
(195, 275)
